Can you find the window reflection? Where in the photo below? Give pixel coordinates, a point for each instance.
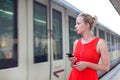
(112, 43)
(119, 44)
(101, 34)
(6, 45)
(8, 33)
(40, 33)
(57, 35)
(95, 31)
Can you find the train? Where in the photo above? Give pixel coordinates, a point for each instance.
(35, 36)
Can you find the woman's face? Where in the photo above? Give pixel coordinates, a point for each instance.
(80, 26)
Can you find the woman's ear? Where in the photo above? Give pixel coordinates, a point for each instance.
(88, 25)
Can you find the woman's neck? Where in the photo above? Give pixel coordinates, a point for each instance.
(87, 37)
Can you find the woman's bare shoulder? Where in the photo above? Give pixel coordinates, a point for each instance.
(75, 42)
(101, 41)
(101, 46)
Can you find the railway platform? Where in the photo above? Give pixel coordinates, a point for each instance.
(114, 74)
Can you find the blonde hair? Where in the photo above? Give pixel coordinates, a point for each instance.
(89, 19)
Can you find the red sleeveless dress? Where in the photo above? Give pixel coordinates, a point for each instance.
(85, 52)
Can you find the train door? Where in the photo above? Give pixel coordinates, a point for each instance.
(57, 42)
(38, 40)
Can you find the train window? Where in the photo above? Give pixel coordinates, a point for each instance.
(101, 34)
(118, 43)
(112, 43)
(57, 35)
(95, 31)
(8, 34)
(108, 41)
(40, 33)
(72, 33)
(115, 43)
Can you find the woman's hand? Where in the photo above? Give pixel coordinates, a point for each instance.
(72, 60)
(80, 65)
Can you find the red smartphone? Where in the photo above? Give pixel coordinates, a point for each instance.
(69, 54)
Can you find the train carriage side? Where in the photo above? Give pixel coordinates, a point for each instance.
(39, 27)
(13, 37)
(112, 40)
(40, 33)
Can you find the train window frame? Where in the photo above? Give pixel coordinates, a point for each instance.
(12, 60)
(40, 41)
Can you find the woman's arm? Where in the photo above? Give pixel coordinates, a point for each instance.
(103, 50)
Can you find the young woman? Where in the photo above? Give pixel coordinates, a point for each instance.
(87, 51)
